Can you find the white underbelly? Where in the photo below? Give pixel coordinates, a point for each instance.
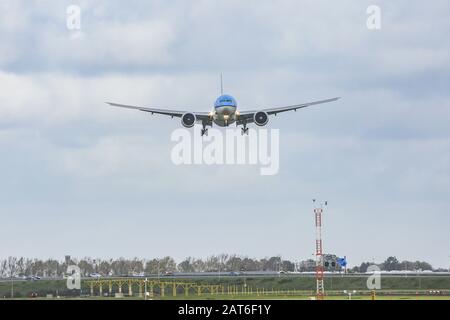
(225, 116)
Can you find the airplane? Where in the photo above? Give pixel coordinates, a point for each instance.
(224, 113)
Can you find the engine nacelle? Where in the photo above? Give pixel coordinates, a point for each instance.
(188, 120)
(261, 118)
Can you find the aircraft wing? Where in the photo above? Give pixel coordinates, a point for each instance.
(248, 116)
(203, 116)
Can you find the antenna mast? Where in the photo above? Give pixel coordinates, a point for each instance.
(319, 252)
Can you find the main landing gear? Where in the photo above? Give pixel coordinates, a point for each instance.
(244, 130)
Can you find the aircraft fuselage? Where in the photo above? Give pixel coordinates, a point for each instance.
(224, 112)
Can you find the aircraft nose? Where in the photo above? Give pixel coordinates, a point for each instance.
(229, 111)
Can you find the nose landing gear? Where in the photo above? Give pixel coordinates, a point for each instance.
(204, 131)
(244, 130)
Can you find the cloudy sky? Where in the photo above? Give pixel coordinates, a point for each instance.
(78, 177)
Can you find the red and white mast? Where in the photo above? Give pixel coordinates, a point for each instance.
(320, 290)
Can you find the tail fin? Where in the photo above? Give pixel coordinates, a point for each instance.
(221, 84)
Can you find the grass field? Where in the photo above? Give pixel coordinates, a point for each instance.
(286, 288)
(254, 297)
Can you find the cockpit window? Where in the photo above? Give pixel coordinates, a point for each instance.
(225, 100)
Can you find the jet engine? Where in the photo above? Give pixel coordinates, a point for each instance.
(188, 120)
(261, 118)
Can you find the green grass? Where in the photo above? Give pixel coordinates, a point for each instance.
(402, 288)
(254, 297)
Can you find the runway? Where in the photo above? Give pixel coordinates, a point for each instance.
(254, 274)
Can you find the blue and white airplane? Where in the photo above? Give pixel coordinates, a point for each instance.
(224, 113)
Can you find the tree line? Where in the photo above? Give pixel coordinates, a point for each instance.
(393, 264)
(22, 267)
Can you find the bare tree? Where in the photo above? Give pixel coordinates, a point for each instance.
(3, 268)
(186, 265)
(12, 266)
(21, 266)
(104, 267)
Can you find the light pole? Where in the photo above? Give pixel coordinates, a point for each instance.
(158, 270)
(12, 272)
(420, 281)
(349, 293)
(145, 290)
(331, 281)
(279, 268)
(95, 266)
(406, 269)
(245, 284)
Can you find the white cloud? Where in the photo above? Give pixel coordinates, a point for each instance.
(381, 152)
(109, 45)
